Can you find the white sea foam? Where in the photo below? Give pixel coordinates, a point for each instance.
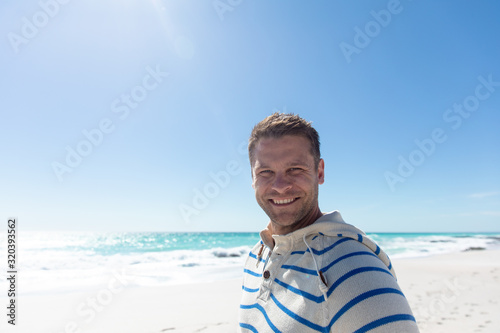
(419, 245)
(63, 270)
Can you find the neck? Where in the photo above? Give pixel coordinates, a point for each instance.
(307, 220)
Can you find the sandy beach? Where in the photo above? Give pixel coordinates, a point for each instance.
(458, 292)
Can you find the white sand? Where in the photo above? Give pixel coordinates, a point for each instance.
(448, 293)
(457, 292)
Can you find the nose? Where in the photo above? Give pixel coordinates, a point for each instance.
(281, 183)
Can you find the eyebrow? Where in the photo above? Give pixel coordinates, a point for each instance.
(298, 163)
(291, 164)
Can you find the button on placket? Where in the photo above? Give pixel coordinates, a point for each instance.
(265, 289)
(274, 261)
(271, 269)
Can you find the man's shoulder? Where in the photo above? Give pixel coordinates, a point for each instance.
(327, 242)
(340, 254)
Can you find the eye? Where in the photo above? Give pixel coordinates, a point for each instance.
(265, 172)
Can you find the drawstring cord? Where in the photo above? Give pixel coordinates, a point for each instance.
(323, 285)
(259, 257)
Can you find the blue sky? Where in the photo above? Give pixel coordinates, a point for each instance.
(158, 98)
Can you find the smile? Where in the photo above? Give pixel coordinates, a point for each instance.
(283, 201)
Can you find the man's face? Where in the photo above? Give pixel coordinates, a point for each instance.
(286, 180)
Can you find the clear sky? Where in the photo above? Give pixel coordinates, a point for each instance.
(132, 115)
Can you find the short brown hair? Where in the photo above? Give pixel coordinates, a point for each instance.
(281, 124)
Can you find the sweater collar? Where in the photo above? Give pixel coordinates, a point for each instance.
(324, 222)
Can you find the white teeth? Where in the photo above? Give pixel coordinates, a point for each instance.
(282, 202)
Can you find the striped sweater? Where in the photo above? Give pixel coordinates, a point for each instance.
(327, 277)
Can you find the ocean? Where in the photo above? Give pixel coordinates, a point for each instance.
(60, 262)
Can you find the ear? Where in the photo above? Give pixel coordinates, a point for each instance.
(321, 171)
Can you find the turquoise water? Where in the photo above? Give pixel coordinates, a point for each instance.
(126, 243)
(69, 261)
(109, 244)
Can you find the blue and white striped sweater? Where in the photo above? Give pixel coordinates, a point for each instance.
(327, 277)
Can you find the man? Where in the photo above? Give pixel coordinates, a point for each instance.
(311, 272)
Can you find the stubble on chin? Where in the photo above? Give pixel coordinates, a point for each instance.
(284, 220)
(292, 219)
